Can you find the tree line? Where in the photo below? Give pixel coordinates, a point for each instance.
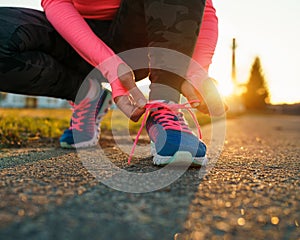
(256, 95)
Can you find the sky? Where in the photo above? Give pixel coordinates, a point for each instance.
(265, 28)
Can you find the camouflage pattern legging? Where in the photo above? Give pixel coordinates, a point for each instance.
(36, 60)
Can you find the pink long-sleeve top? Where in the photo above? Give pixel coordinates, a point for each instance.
(67, 15)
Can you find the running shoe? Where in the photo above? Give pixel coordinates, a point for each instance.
(86, 121)
(172, 139)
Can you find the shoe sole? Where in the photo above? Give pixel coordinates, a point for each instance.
(66, 145)
(91, 143)
(94, 141)
(180, 158)
(186, 157)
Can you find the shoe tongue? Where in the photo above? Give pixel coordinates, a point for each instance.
(94, 89)
(160, 101)
(168, 110)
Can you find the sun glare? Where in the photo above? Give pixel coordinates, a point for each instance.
(225, 88)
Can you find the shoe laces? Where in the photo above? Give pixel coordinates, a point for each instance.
(80, 113)
(169, 117)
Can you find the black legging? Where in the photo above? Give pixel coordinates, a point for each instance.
(36, 60)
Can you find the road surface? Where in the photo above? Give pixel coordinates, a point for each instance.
(252, 192)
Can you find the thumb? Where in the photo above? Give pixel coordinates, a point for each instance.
(138, 97)
(133, 112)
(127, 79)
(189, 92)
(213, 98)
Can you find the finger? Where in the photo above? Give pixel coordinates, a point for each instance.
(212, 103)
(136, 114)
(189, 92)
(212, 98)
(203, 108)
(138, 97)
(131, 110)
(126, 77)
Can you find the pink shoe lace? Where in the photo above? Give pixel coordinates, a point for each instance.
(167, 120)
(80, 111)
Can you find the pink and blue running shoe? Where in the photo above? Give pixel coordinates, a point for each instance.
(172, 139)
(84, 130)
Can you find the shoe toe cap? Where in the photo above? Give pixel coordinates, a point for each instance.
(180, 141)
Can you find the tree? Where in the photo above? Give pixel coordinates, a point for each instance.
(257, 93)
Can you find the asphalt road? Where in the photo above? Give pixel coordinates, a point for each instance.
(251, 192)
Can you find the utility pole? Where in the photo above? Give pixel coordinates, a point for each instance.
(233, 70)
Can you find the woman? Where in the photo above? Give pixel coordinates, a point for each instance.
(50, 53)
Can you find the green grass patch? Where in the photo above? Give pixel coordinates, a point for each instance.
(22, 127)
(19, 127)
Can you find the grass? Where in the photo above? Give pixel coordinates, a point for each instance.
(23, 127)
(19, 127)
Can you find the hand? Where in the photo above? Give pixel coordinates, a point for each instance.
(211, 101)
(132, 104)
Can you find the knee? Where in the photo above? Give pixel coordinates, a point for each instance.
(8, 26)
(5, 50)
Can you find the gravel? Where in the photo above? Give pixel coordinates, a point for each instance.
(252, 192)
